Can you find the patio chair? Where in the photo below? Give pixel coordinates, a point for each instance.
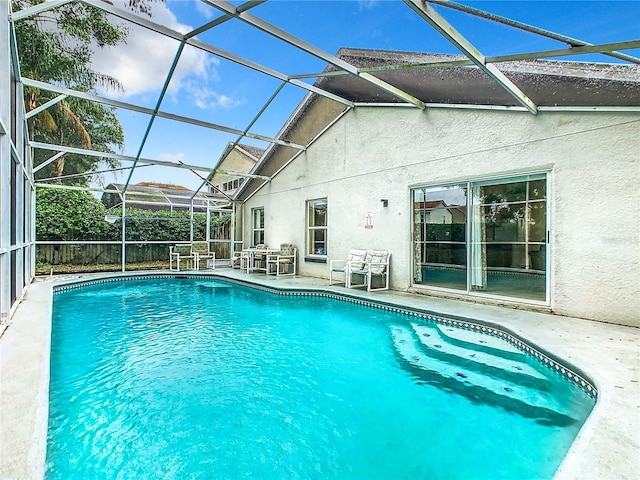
(376, 264)
(203, 253)
(181, 253)
(239, 260)
(355, 259)
(278, 263)
(260, 258)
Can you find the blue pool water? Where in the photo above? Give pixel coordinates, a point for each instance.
(192, 378)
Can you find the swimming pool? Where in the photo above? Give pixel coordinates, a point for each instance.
(197, 378)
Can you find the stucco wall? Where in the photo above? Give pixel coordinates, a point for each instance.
(371, 154)
(235, 161)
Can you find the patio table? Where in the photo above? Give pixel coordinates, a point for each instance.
(251, 253)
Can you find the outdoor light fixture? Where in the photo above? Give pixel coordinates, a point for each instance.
(111, 218)
(385, 203)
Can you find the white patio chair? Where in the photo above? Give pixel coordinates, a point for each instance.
(239, 260)
(203, 253)
(181, 253)
(278, 263)
(376, 264)
(355, 259)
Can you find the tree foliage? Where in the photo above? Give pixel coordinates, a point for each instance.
(68, 215)
(56, 47)
(77, 215)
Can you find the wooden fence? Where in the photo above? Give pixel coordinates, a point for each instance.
(101, 254)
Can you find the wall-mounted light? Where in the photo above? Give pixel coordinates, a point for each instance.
(385, 203)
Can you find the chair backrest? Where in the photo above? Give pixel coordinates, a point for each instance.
(200, 247)
(261, 246)
(287, 249)
(183, 249)
(377, 261)
(357, 258)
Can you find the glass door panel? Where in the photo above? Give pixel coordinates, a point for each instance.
(440, 252)
(508, 232)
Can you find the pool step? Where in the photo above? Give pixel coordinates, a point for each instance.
(474, 385)
(495, 364)
(480, 341)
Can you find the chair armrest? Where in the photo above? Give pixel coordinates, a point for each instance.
(337, 262)
(366, 266)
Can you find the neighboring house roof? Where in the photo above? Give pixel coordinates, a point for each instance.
(159, 196)
(447, 79)
(430, 204)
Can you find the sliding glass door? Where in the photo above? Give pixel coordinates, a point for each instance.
(440, 218)
(484, 238)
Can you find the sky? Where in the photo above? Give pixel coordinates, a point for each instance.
(212, 89)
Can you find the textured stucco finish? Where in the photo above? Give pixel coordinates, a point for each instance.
(592, 159)
(237, 160)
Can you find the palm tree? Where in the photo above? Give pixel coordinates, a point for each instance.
(53, 47)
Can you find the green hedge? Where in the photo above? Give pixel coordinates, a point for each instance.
(76, 215)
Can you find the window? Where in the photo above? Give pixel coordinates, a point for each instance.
(257, 222)
(485, 238)
(317, 227)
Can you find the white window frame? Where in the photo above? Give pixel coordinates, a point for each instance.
(257, 230)
(312, 251)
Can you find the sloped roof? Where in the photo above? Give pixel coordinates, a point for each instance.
(449, 79)
(254, 151)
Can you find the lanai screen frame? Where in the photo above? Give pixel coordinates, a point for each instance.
(17, 228)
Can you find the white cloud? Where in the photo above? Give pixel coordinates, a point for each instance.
(141, 65)
(205, 98)
(204, 10)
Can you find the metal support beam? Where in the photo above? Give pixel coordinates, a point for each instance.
(149, 111)
(89, 174)
(604, 48)
(572, 42)
(126, 158)
(564, 52)
(237, 140)
(222, 19)
(44, 106)
(165, 86)
(48, 161)
(137, 20)
(36, 9)
(433, 18)
(266, 27)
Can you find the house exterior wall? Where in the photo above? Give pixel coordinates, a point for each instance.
(591, 159)
(235, 161)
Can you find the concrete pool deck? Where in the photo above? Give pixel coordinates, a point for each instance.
(607, 447)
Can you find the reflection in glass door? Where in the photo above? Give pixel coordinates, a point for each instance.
(508, 245)
(440, 249)
(491, 242)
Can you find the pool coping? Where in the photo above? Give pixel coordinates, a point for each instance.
(608, 436)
